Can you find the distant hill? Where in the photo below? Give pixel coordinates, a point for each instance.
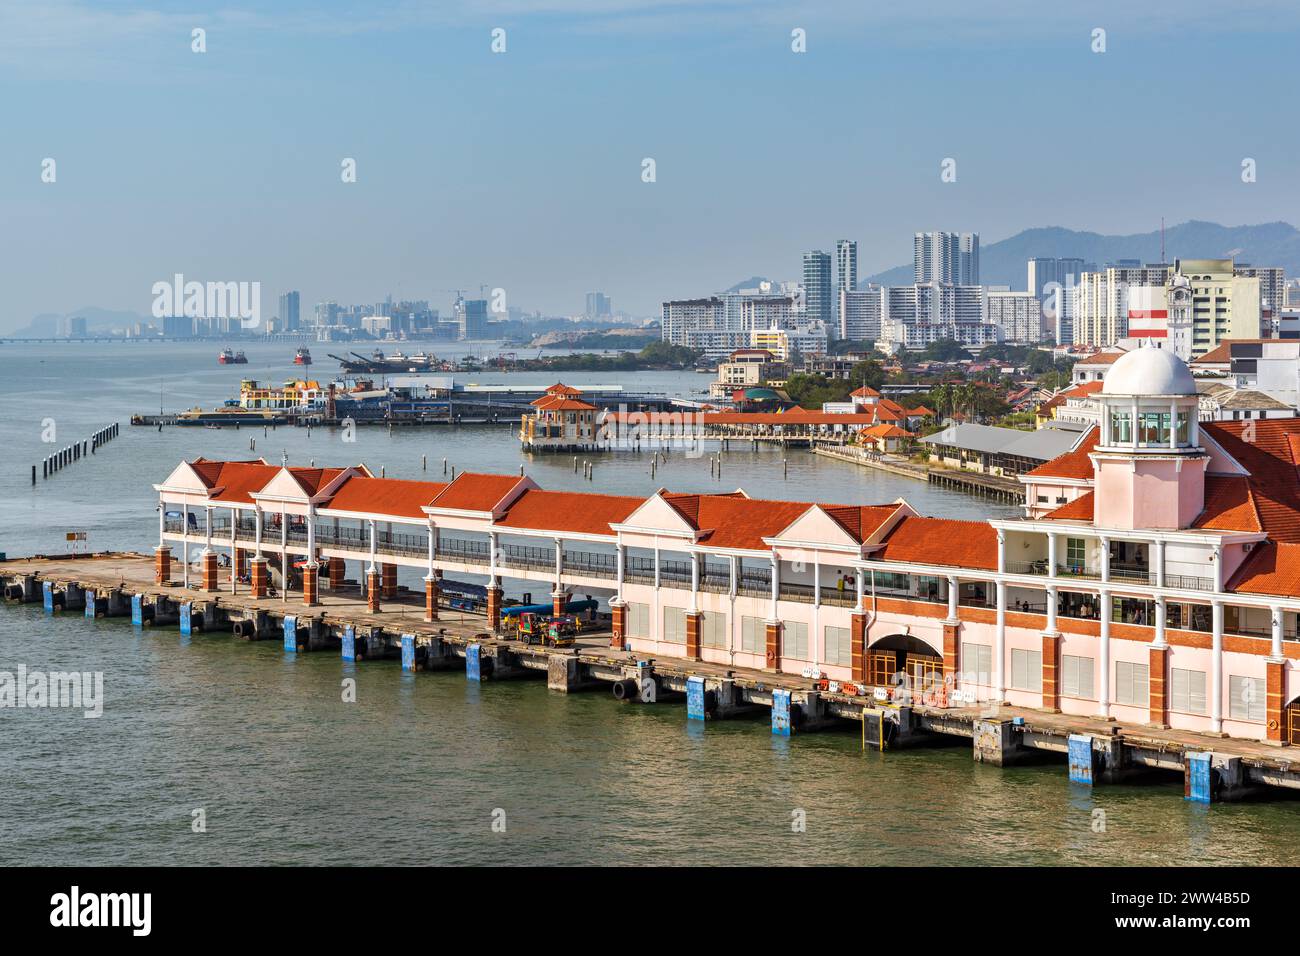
(751, 283)
(1003, 263)
(49, 324)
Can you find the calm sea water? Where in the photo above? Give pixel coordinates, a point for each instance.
(418, 769)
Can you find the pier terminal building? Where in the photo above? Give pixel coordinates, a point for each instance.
(1154, 576)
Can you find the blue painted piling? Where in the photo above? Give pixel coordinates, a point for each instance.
(350, 644)
(781, 713)
(408, 652)
(473, 662)
(1082, 761)
(291, 634)
(695, 698)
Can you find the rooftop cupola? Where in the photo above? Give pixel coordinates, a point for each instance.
(1148, 465)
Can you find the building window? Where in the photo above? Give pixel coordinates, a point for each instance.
(1076, 554)
(881, 667)
(753, 635)
(1187, 691)
(713, 629)
(977, 663)
(1120, 430)
(794, 640)
(1076, 677)
(638, 620)
(1131, 683)
(1026, 669)
(1246, 698)
(675, 625)
(839, 646)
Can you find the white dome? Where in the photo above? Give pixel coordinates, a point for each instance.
(1149, 371)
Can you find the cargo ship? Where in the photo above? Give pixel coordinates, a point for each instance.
(395, 364)
(227, 357)
(302, 357)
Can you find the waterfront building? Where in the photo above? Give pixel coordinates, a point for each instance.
(1153, 579)
(860, 313)
(915, 316)
(994, 450)
(846, 279)
(294, 395)
(783, 343)
(718, 325)
(561, 421)
(746, 368)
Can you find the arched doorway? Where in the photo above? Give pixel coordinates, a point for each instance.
(898, 657)
(1291, 723)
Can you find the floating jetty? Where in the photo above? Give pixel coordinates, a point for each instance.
(1096, 751)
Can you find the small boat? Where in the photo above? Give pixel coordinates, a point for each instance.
(302, 357)
(228, 357)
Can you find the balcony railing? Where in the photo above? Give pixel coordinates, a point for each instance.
(593, 563)
(797, 592)
(1078, 571)
(1186, 582)
(1136, 573)
(755, 583)
(1027, 567)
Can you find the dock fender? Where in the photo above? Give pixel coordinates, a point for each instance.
(625, 689)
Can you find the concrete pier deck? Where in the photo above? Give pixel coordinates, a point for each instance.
(1098, 751)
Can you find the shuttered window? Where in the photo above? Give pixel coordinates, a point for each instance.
(839, 646)
(1026, 669)
(675, 625)
(1076, 676)
(794, 640)
(713, 629)
(977, 663)
(638, 620)
(1246, 698)
(1131, 683)
(1187, 691)
(753, 634)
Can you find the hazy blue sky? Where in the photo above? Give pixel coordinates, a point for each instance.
(523, 170)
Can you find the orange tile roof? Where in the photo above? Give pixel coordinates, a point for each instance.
(1073, 464)
(312, 480)
(1102, 358)
(471, 491)
(942, 541)
(1271, 459)
(1229, 505)
(1271, 568)
(559, 388)
(555, 403)
(860, 521)
(388, 496)
(573, 511)
(884, 430)
(236, 479)
(1223, 351)
(1080, 509)
(866, 391)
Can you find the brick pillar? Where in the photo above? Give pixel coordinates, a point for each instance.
(257, 577)
(1051, 672)
(1156, 673)
(372, 590)
(209, 565)
(951, 653)
(310, 580)
(773, 645)
(494, 596)
(558, 602)
(389, 580)
(338, 569)
(162, 565)
(619, 641)
(693, 635)
(858, 650)
(430, 598)
(241, 563)
(1275, 699)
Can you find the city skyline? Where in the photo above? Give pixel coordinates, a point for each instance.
(468, 173)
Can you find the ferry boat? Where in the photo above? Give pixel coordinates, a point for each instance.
(379, 364)
(227, 357)
(220, 417)
(302, 357)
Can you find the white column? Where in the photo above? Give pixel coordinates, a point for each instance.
(1103, 656)
(735, 577)
(1105, 559)
(185, 543)
(1000, 640)
(492, 557)
(559, 566)
(1002, 551)
(1160, 562)
(1051, 609)
(311, 537)
(1173, 425)
(1161, 613)
(695, 581)
(1218, 567)
(817, 581)
(162, 521)
(284, 555)
(257, 529)
(859, 594)
(1216, 674)
(776, 585)
(620, 564)
(954, 590)
(207, 529)
(371, 523)
(234, 546)
(1276, 650)
(656, 568)
(431, 549)
(1051, 554)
